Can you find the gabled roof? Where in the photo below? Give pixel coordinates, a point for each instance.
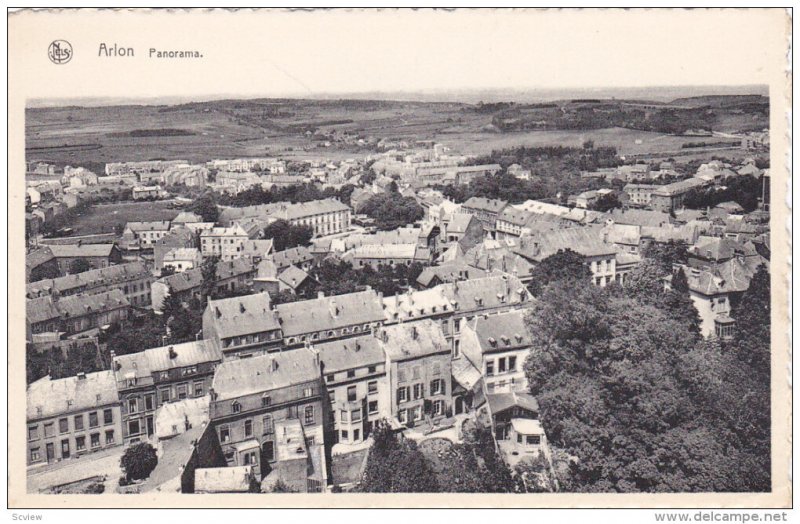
(154, 225)
(65, 395)
(292, 256)
(334, 312)
(37, 257)
(81, 250)
(487, 292)
(459, 223)
(240, 377)
(499, 402)
(89, 279)
(449, 272)
(244, 315)
(413, 340)
(503, 332)
(350, 353)
(485, 204)
(586, 240)
(293, 276)
(175, 356)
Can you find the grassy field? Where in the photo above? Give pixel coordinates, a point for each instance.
(96, 135)
(103, 218)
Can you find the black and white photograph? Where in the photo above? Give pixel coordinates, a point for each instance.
(382, 287)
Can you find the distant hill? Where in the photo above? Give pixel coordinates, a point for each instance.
(721, 101)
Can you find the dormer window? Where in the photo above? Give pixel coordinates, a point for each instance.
(266, 401)
(236, 407)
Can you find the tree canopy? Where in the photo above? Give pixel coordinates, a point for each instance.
(286, 236)
(392, 210)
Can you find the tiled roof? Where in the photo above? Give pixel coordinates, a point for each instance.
(193, 278)
(329, 312)
(236, 378)
(503, 332)
(732, 276)
(639, 217)
(416, 304)
(81, 250)
(37, 257)
(448, 272)
(293, 256)
(44, 308)
(153, 360)
(61, 396)
(293, 276)
(487, 292)
(460, 222)
(499, 402)
(244, 315)
(584, 240)
(413, 340)
(679, 187)
(89, 279)
(387, 251)
(485, 204)
(155, 225)
(341, 355)
(307, 209)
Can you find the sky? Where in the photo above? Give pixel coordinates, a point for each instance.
(392, 54)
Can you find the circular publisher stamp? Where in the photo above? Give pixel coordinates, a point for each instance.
(60, 51)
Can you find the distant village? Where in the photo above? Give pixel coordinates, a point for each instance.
(269, 383)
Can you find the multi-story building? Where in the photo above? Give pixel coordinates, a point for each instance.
(587, 241)
(147, 192)
(324, 217)
(252, 401)
(143, 167)
(329, 318)
(182, 259)
(75, 314)
(670, 197)
(387, 255)
(241, 327)
(226, 243)
(498, 346)
(419, 366)
(486, 210)
(354, 371)
(639, 195)
(151, 378)
(234, 276)
(72, 416)
(132, 278)
(178, 237)
(97, 255)
(144, 235)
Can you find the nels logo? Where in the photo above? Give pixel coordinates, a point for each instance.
(60, 51)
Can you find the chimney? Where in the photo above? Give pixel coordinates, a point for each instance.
(81, 376)
(414, 332)
(358, 346)
(212, 394)
(241, 307)
(218, 312)
(274, 365)
(334, 309)
(172, 353)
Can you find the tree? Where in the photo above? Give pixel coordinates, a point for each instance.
(678, 302)
(286, 236)
(564, 265)
(606, 202)
(79, 265)
(208, 269)
(392, 210)
(753, 324)
(396, 465)
(138, 461)
(206, 206)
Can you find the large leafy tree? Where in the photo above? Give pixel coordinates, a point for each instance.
(564, 265)
(138, 461)
(396, 465)
(392, 210)
(285, 235)
(206, 206)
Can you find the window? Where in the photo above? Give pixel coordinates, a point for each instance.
(501, 365)
(345, 435)
(438, 407)
(519, 438)
(532, 439)
(356, 434)
(512, 364)
(164, 395)
(164, 375)
(77, 421)
(372, 387)
(250, 458)
(344, 416)
(351, 393)
(372, 407)
(330, 378)
(351, 373)
(418, 413)
(109, 436)
(308, 415)
(418, 391)
(266, 400)
(402, 416)
(489, 368)
(355, 415)
(236, 407)
(332, 396)
(402, 394)
(182, 391)
(33, 432)
(93, 423)
(266, 422)
(291, 412)
(133, 407)
(198, 389)
(63, 425)
(372, 369)
(108, 416)
(248, 428)
(224, 434)
(437, 386)
(80, 443)
(95, 440)
(133, 427)
(308, 392)
(65, 448)
(35, 455)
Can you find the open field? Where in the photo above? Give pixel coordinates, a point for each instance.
(102, 218)
(92, 136)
